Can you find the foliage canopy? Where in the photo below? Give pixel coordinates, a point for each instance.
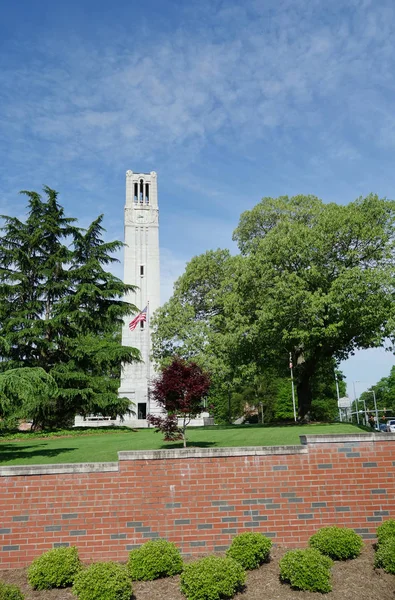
(312, 280)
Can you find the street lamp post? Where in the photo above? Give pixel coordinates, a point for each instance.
(375, 408)
(364, 408)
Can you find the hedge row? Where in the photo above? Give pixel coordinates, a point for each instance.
(210, 578)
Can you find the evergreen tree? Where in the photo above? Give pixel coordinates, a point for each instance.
(61, 310)
(26, 393)
(33, 277)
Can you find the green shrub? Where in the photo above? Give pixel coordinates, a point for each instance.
(339, 543)
(212, 578)
(385, 556)
(250, 549)
(306, 570)
(157, 558)
(10, 592)
(385, 531)
(56, 568)
(103, 581)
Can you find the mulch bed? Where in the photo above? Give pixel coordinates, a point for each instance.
(352, 580)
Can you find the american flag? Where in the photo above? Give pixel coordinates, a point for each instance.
(142, 316)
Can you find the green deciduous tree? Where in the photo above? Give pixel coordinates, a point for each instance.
(312, 279)
(384, 391)
(60, 310)
(192, 321)
(191, 325)
(317, 280)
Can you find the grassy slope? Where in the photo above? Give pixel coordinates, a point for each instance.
(98, 448)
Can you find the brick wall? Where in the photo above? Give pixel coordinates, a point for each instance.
(198, 498)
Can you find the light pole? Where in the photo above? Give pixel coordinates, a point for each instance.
(356, 401)
(375, 409)
(364, 408)
(292, 383)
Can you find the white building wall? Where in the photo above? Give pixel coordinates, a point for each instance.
(142, 269)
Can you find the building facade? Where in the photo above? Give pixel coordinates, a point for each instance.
(141, 269)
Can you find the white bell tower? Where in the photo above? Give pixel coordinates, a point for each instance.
(141, 268)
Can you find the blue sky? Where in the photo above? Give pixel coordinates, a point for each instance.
(228, 101)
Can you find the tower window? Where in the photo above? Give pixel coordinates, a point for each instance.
(141, 270)
(136, 192)
(141, 191)
(146, 193)
(141, 324)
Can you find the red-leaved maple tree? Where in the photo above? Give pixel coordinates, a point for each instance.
(179, 390)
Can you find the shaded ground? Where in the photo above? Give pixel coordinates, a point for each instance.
(351, 580)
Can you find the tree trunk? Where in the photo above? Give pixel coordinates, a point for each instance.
(305, 396)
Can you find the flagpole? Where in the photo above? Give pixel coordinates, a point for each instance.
(338, 397)
(292, 383)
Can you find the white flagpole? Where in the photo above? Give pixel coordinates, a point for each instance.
(338, 397)
(292, 382)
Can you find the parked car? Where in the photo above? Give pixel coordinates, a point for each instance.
(391, 426)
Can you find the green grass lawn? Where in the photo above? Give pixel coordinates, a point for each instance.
(104, 447)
